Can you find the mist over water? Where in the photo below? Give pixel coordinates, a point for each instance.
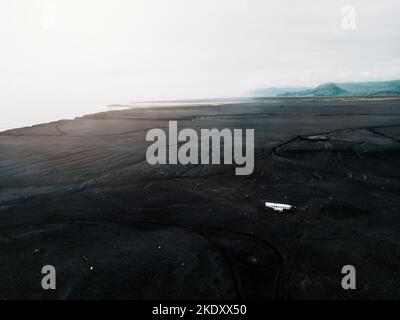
(61, 98)
(57, 98)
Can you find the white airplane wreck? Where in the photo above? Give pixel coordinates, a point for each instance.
(278, 206)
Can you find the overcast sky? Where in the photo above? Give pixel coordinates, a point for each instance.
(67, 57)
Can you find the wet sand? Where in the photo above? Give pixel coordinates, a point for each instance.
(79, 195)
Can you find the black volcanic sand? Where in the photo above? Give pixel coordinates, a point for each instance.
(79, 195)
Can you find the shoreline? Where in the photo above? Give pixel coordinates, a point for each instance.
(161, 104)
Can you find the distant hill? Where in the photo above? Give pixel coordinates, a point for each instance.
(275, 91)
(373, 88)
(323, 90)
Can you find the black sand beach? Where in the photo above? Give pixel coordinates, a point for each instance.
(79, 195)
